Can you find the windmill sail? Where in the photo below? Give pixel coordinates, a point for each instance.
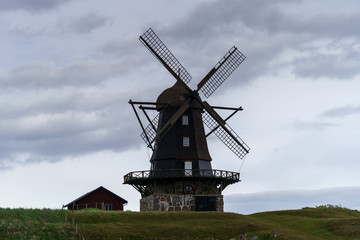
(221, 71)
(149, 132)
(227, 136)
(152, 130)
(163, 54)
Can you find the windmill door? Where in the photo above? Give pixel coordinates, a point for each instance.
(205, 204)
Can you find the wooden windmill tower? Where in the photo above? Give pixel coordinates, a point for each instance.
(181, 177)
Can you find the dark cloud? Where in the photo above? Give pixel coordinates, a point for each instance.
(64, 125)
(69, 136)
(331, 66)
(84, 24)
(218, 18)
(293, 199)
(48, 75)
(328, 25)
(51, 112)
(342, 111)
(263, 30)
(227, 18)
(32, 6)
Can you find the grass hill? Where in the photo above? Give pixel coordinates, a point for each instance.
(326, 222)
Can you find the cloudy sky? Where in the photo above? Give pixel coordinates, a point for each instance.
(68, 69)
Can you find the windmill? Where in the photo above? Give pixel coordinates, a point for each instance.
(181, 177)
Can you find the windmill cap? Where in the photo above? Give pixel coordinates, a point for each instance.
(174, 96)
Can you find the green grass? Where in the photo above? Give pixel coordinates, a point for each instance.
(305, 224)
(34, 224)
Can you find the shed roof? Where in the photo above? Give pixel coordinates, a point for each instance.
(97, 189)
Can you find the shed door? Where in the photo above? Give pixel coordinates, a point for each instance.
(205, 204)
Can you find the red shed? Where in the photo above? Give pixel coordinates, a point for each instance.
(100, 198)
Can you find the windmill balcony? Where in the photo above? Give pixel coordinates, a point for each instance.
(139, 176)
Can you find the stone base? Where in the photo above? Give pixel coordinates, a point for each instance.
(181, 202)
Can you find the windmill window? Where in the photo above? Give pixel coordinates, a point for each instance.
(185, 120)
(188, 168)
(186, 141)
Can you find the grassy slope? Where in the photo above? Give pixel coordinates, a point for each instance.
(27, 224)
(314, 224)
(305, 224)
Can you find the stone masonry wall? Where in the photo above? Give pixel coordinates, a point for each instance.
(175, 202)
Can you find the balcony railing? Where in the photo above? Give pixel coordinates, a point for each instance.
(182, 173)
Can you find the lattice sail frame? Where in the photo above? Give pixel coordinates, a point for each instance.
(239, 150)
(224, 68)
(150, 132)
(149, 38)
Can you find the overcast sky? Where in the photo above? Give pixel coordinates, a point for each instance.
(68, 69)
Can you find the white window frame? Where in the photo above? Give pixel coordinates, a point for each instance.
(186, 141)
(188, 168)
(185, 120)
